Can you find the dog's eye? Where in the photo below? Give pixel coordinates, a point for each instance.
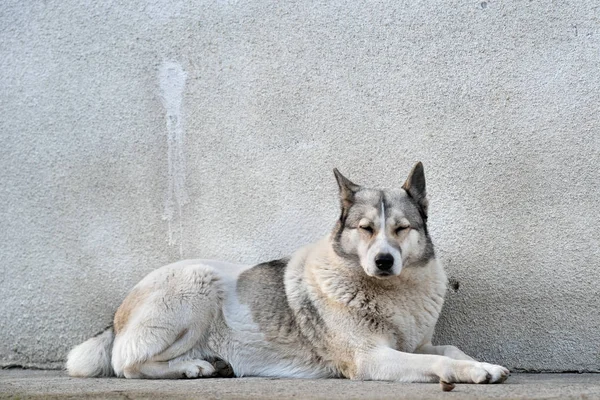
(366, 228)
(402, 228)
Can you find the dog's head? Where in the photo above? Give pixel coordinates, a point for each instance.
(384, 230)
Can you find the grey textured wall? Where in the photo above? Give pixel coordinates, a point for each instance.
(138, 133)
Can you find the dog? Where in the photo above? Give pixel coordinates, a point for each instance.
(362, 303)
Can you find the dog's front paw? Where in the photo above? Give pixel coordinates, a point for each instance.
(474, 372)
(488, 373)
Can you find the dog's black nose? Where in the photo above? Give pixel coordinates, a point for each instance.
(384, 262)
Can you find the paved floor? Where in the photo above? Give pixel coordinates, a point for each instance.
(31, 384)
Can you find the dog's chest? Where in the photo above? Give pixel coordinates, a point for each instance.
(412, 313)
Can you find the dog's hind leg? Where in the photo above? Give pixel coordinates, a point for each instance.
(165, 316)
(170, 369)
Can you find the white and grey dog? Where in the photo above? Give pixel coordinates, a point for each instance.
(362, 303)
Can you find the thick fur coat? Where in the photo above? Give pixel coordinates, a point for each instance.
(362, 303)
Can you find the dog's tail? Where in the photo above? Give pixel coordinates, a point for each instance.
(93, 357)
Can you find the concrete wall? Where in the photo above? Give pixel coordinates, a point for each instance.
(138, 133)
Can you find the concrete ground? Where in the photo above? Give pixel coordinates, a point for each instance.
(32, 384)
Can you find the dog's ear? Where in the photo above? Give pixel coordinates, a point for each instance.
(415, 186)
(347, 189)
